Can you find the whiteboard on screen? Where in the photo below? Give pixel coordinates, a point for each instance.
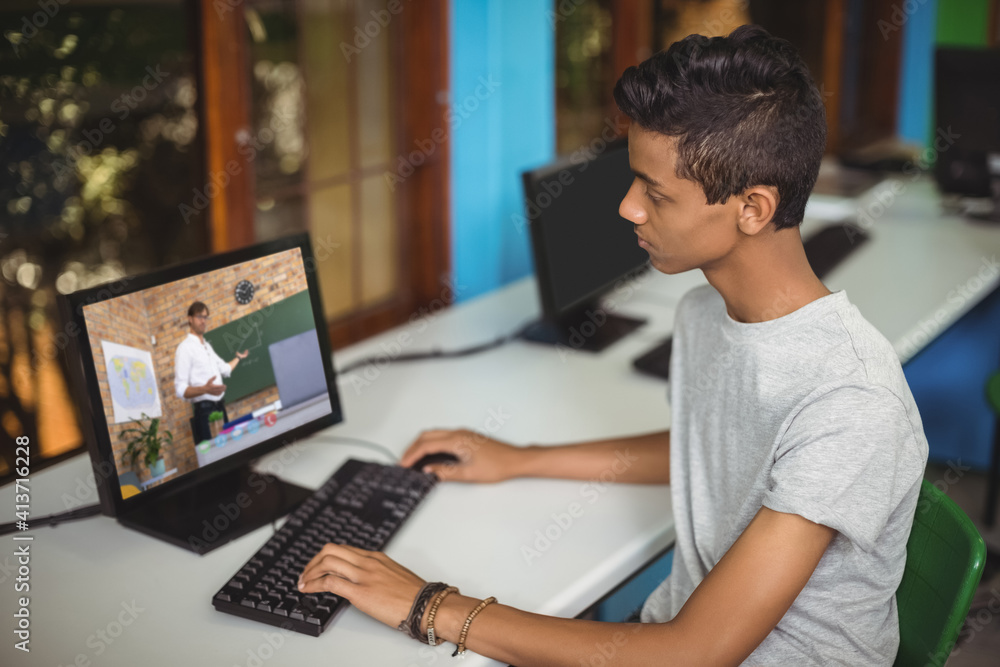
(132, 382)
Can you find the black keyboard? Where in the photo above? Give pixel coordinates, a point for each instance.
(655, 362)
(831, 245)
(362, 505)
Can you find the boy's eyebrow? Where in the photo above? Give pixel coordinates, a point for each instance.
(646, 177)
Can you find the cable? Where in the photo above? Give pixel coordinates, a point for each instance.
(53, 520)
(437, 353)
(361, 443)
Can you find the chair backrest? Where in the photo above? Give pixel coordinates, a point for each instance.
(945, 556)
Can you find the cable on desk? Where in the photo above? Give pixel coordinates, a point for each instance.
(53, 520)
(361, 443)
(436, 353)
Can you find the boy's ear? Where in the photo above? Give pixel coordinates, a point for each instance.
(757, 207)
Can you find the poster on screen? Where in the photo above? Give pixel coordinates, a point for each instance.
(132, 382)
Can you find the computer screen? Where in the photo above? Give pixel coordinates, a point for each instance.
(219, 361)
(582, 248)
(581, 245)
(967, 105)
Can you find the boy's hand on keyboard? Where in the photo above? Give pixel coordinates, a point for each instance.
(370, 580)
(481, 459)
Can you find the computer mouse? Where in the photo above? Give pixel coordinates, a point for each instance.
(434, 458)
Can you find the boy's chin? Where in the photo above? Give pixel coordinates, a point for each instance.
(670, 268)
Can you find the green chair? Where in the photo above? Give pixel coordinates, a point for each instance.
(993, 477)
(945, 556)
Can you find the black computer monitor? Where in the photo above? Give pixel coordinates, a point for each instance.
(197, 492)
(582, 247)
(967, 105)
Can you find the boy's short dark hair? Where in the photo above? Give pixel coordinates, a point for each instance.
(744, 109)
(197, 308)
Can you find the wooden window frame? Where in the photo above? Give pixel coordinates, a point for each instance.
(420, 57)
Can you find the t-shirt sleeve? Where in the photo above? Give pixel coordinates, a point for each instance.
(846, 461)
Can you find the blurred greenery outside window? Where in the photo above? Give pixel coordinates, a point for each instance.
(584, 73)
(99, 141)
(331, 97)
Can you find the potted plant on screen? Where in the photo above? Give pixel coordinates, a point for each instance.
(145, 441)
(215, 423)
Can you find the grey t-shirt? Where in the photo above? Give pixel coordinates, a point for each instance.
(807, 414)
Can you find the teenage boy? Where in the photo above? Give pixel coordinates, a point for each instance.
(796, 452)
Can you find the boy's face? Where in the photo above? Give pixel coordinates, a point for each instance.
(672, 218)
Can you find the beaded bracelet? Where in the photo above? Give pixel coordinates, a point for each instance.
(460, 649)
(411, 624)
(432, 613)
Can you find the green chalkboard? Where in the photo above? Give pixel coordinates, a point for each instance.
(254, 332)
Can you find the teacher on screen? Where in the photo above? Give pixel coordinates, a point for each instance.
(196, 370)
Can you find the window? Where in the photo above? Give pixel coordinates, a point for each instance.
(99, 141)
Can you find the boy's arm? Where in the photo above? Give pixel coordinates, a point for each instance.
(640, 459)
(725, 619)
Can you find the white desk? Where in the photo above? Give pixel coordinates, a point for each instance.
(471, 536)
(86, 574)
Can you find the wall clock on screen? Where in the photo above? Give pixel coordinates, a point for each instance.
(244, 292)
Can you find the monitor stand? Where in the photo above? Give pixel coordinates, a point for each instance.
(589, 328)
(217, 510)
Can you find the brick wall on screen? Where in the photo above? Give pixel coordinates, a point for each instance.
(165, 308)
(121, 320)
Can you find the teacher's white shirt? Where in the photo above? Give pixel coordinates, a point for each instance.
(194, 365)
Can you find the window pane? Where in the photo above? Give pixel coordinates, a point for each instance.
(323, 29)
(99, 147)
(330, 220)
(277, 92)
(584, 77)
(281, 217)
(379, 241)
(375, 79)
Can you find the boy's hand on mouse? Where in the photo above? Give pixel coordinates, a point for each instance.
(480, 459)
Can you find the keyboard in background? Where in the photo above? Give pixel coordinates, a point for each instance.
(362, 505)
(825, 250)
(831, 245)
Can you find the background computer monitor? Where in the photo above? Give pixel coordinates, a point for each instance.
(967, 106)
(581, 246)
(264, 300)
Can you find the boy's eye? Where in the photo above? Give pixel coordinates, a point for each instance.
(655, 198)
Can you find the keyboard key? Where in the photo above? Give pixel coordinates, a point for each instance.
(362, 504)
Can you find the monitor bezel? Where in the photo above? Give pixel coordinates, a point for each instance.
(83, 372)
(968, 62)
(532, 182)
